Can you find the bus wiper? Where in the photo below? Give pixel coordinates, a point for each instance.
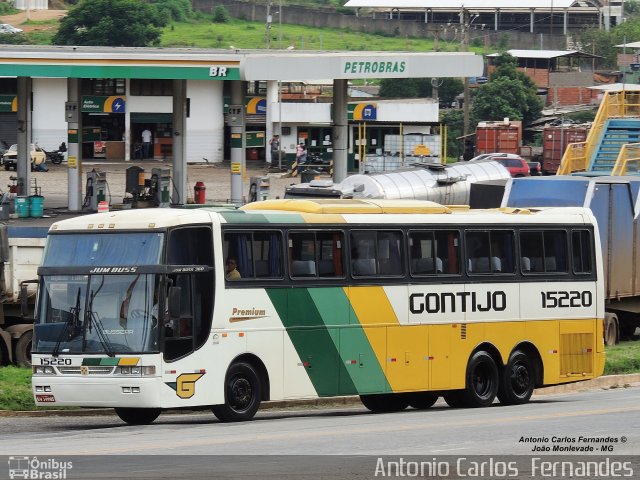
(90, 318)
(74, 320)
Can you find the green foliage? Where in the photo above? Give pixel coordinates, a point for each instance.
(623, 358)
(584, 116)
(7, 8)
(510, 93)
(13, 39)
(15, 389)
(114, 23)
(603, 43)
(221, 14)
(178, 10)
(454, 121)
(448, 88)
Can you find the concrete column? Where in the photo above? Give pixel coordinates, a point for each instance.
(23, 160)
(74, 148)
(565, 21)
(238, 162)
(340, 130)
(496, 16)
(179, 191)
(127, 125)
(532, 18)
(270, 127)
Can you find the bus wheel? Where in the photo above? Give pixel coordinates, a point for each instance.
(241, 396)
(517, 382)
(23, 349)
(385, 402)
(138, 416)
(482, 381)
(422, 400)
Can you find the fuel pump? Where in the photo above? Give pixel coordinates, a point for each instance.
(95, 189)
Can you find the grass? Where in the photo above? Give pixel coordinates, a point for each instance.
(623, 358)
(15, 382)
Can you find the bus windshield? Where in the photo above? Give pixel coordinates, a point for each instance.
(106, 314)
(101, 249)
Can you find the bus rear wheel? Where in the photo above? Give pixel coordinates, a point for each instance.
(482, 381)
(138, 416)
(422, 400)
(385, 402)
(518, 380)
(241, 396)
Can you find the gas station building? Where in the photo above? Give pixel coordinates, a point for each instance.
(194, 101)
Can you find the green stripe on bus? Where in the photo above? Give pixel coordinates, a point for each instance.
(315, 344)
(356, 354)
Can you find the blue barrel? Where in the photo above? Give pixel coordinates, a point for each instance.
(37, 205)
(22, 207)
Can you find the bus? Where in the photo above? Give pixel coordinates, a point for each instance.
(398, 302)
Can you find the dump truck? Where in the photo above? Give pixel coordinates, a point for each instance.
(615, 202)
(21, 250)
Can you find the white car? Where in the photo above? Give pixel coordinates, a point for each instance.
(9, 158)
(492, 156)
(6, 28)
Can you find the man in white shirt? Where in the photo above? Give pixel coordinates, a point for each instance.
(146, 143)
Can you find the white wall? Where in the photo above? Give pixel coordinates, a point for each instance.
(33, 4)
(49, 128)
(313, 113)
(408, 112)
(205, 125)
(149, 104)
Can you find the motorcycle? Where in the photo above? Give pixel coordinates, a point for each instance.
(56, 157)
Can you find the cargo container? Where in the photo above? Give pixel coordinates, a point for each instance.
(504, 137)
(555, 141)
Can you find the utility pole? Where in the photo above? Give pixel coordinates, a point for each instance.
(464, 23)
(269, 19)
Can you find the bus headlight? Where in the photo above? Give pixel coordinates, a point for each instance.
(136, 371)
(43, 370)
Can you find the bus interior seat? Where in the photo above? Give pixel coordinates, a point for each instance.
(439, 265)
(525, 264)
(496, 264)
(422, 265)
(303, 268)
(325, 268)
(262, 268)
(550, 264)
(364, 266)
(481, 265)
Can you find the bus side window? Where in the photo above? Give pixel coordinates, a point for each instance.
(581, 251)
(316, 254)
(258, 254)
(546, 251)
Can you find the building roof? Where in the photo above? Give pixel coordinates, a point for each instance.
(468, 4)
(616, 87)
(629, 45)
(546, 54)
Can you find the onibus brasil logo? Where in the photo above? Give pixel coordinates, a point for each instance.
(33, 468)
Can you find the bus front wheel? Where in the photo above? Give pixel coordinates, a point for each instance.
(241, 395)
(138, 416)
(482, 381)
(518, 380)
(385, 402)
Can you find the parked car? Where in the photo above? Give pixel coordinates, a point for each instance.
(517, 166)
(6, 28)
(9, 158)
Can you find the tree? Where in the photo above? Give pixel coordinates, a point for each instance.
(114, 23)
(448, 88)
(510, 93)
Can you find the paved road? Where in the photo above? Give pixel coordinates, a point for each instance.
(340, 443)
(347, 430)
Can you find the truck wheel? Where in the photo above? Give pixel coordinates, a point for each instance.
(518, 380)
(23, 349)
(138, 416)
(242, 394)
(610, 329)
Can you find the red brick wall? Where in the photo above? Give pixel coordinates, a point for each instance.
(571, 96)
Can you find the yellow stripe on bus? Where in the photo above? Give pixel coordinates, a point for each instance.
(400, 349)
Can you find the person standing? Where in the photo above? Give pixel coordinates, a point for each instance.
(146, 143)
(275, 148)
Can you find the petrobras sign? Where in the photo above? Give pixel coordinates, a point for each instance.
(374, 68)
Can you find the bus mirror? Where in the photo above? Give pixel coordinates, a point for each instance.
(175, 294)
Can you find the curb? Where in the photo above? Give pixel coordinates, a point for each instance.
(602, 383)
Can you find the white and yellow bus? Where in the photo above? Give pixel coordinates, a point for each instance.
(398, 302)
